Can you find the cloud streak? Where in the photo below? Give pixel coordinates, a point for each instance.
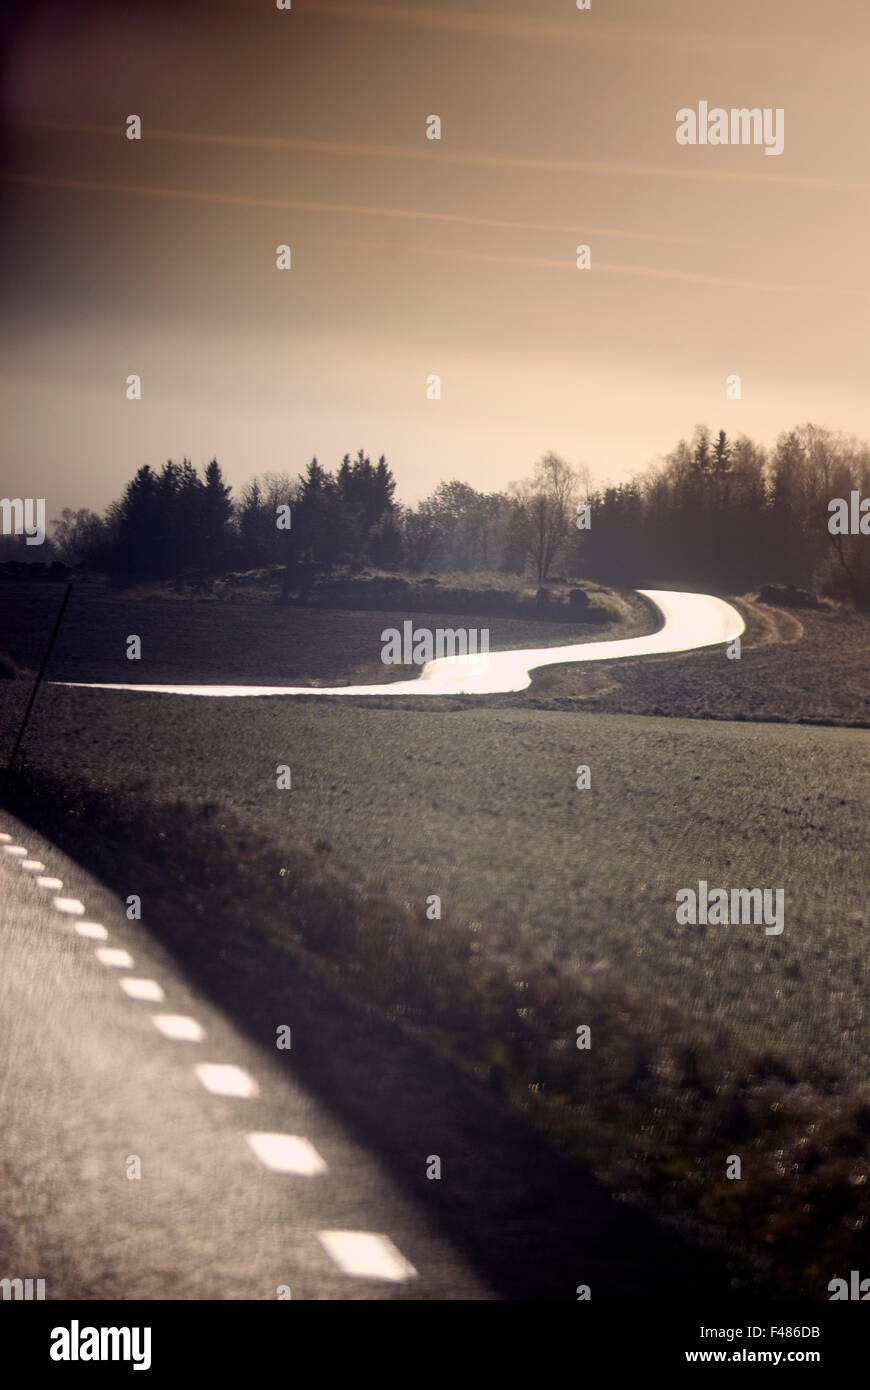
(580, 31)
(475, 159)
(599, 267)
(353, 209)
(246, 200)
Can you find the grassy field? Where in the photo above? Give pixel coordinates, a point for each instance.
(557, 903)
(796, 667)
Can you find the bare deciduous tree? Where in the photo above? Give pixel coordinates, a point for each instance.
(548, 501)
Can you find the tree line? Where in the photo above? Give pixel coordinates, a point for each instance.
(719, 512)
(731, 515)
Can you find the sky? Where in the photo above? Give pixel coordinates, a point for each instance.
(414, 257)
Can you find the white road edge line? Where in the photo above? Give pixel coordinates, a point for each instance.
(287, 1153)
(73, 906)
(94, 931)
(179, 1027)
(142, 989)
(366, 1255)
(225, 1079)
(114, 956)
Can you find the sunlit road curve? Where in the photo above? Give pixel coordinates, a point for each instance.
(689, 621)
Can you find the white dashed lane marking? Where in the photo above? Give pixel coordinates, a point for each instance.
(287, 1153)
(179, 1027)
(361, 1254)
(94, 931)
(112, 955)
(142, 989)
(70, 905)
(226, 1080)
(366, 1255)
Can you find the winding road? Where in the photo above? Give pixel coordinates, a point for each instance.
(689, 621)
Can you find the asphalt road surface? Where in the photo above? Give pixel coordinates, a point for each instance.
(248, 1188)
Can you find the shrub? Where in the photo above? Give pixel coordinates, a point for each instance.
(578, 598)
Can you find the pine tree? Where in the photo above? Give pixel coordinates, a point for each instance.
(217, 510)
(721, 454)
(138, 514)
